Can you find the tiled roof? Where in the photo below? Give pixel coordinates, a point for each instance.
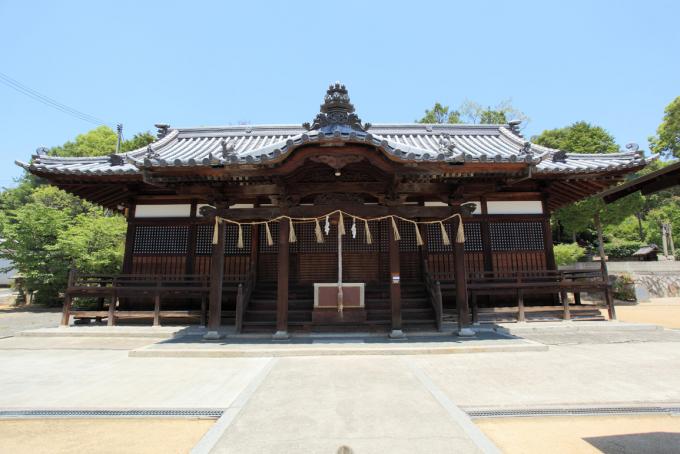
(337, 123)
(234, 145)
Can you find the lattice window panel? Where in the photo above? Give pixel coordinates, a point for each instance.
(204, 234)
(516, 236)
(274, 229)
(306, 238)
(473, 237)
(160, 239)
(407, 233)
(359, 244)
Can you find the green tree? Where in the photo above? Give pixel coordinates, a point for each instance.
(580, 137)
(667, 139)
(500, 114)
(139, 140)
(94, 242)
(46, 230)
(100, 141)
(440, 114)
(31, 231)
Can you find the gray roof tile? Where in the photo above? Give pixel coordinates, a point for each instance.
(405, 142)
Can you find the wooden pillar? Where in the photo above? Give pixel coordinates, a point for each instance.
(129, 239)
(216, 280)
(548, 239)
(191, 241)
(254, 249)
(395, 286)
(485, 231)
(282, 282)
(461, 285)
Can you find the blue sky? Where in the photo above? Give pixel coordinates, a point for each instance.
(616, 64)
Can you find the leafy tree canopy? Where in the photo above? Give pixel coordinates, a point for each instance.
(440, 114)
(98, 142)
(667, 139)
(472, 112)
(46, 230)
(580, 137)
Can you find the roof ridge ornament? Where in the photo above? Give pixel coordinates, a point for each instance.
(336, 111)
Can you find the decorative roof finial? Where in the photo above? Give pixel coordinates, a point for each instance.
(162, 130)
(336, 110)
(151, 153)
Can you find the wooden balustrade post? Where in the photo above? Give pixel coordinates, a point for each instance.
(157, 305)
(565, 305)
(440, 305)
(475, 309)
(521, 316)
(239, 310)
(608, 296)
(111, 319)
(66, 310)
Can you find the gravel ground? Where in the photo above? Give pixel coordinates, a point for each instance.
(14, 319)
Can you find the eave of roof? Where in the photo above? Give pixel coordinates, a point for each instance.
(671, 173)
(260, 144)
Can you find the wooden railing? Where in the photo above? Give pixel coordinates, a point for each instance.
(245, 289)
(557, 282)
(434, 292)
(113, 287)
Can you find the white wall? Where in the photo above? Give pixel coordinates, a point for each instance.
(515, 207)
(163, 211)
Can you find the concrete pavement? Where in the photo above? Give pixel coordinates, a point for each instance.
(380, 403)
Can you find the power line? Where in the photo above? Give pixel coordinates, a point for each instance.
(37, 96)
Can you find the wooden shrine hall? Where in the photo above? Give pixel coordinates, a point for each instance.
(334, 224)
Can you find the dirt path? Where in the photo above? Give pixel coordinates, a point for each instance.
(99, 436)
(659, 311)
(585, 434)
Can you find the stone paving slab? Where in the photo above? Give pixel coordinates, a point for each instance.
(107, 331)
(521, 328)
(584, 374)
(189, 346)
(75, 343)
(602, 337)
(94, 379)
(369, 405)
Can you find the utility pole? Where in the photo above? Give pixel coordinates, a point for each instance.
(119, 130)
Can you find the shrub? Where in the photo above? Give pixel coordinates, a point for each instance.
(622, 248)
(566, 254)
(623, 287)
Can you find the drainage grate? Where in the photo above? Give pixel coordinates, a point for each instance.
(131, 413)
(581, 411)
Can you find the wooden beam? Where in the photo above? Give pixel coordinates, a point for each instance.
(408, 211)
(282, 284)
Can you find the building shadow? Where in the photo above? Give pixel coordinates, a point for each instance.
(651, 442)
